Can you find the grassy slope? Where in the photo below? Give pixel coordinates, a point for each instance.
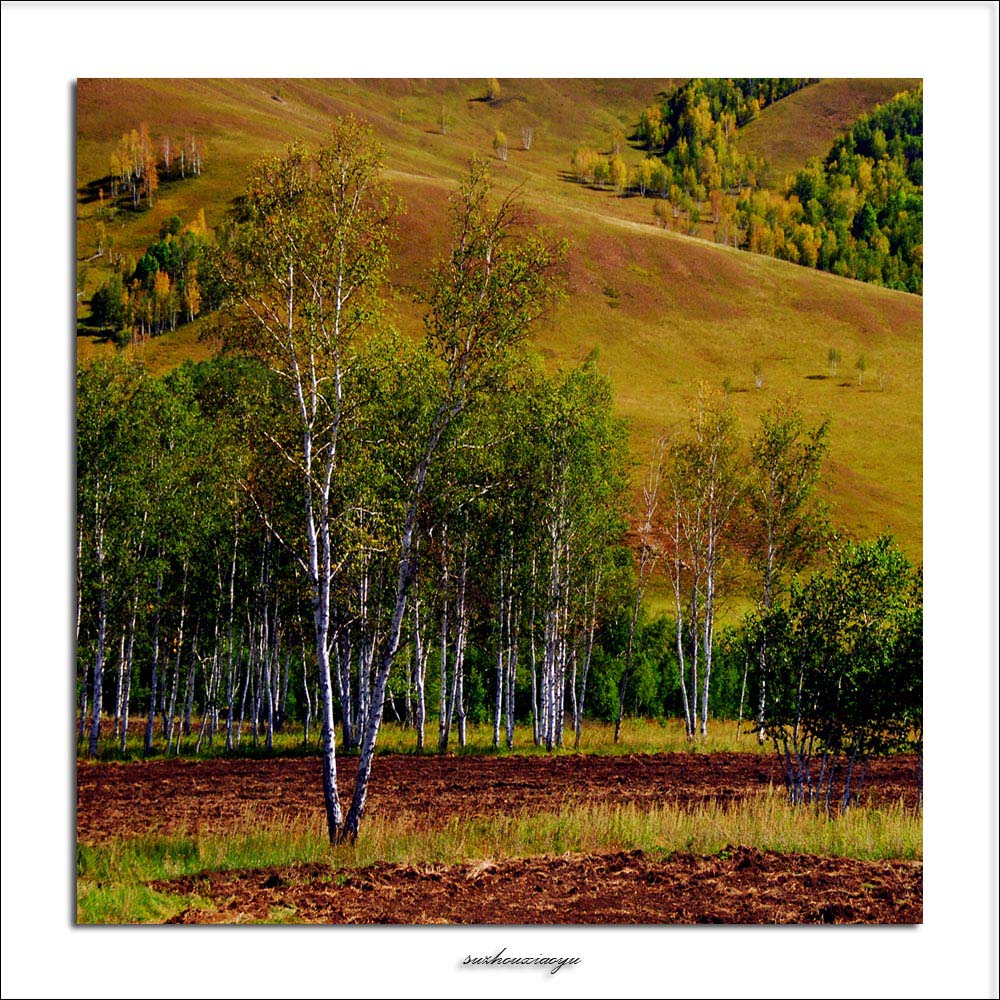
(663, 309)
(805, 124)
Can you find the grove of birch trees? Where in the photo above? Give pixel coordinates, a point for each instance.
(332, 524)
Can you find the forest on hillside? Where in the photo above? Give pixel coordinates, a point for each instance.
(330, 522)
(857, 212)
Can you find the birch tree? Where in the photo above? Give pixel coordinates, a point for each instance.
(646, 559)
(481, 300)
(704, 486)
(582, 466)
(785, 523)
(304, 263)
(112, 438)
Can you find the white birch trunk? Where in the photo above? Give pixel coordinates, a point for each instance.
(102, 620)
(420, 673)
(154, 670)
(498, 701)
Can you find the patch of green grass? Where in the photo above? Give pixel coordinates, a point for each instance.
(281, 915)
(127, 903)
(112, 877)
(146, 858)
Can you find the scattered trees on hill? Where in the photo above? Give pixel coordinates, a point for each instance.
(171, 282)
(858, 212)
(135, 163)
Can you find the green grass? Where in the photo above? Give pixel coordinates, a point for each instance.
(682, 309)
(111, 877)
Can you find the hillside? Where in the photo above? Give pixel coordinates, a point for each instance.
(664, 310)
(805, 123)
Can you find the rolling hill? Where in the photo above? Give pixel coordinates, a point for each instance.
(805, 123)
(664, 310)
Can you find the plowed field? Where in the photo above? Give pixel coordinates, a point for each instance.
(745, 887)
(740, 885)
(191, 796)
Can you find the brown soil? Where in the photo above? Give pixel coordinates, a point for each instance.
(742, 885)
(177, 796)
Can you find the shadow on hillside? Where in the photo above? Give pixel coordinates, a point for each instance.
(499, 102)
(101, 334)
(90, 192)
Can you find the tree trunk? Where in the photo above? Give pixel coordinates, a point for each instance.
(102, 620)
(463, 625)
(513, 627)
(168, 718)
(589, 650)
(420, 668)
(444, 718)
(189, 684)
(154, 669)
(120, 686)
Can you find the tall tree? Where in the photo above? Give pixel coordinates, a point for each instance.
(112, 438)
(304, 262)
(785, 524)
(704, 485)
(646, 559)
(482, 300)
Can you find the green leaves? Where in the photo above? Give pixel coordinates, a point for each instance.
(846, 654)
(496, 282)
(309, 249)
(786, 524)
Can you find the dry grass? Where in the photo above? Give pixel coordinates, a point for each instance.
(637, 736)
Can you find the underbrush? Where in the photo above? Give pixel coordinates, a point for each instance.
(112, 877)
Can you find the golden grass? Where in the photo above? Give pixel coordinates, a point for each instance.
(637, 736)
